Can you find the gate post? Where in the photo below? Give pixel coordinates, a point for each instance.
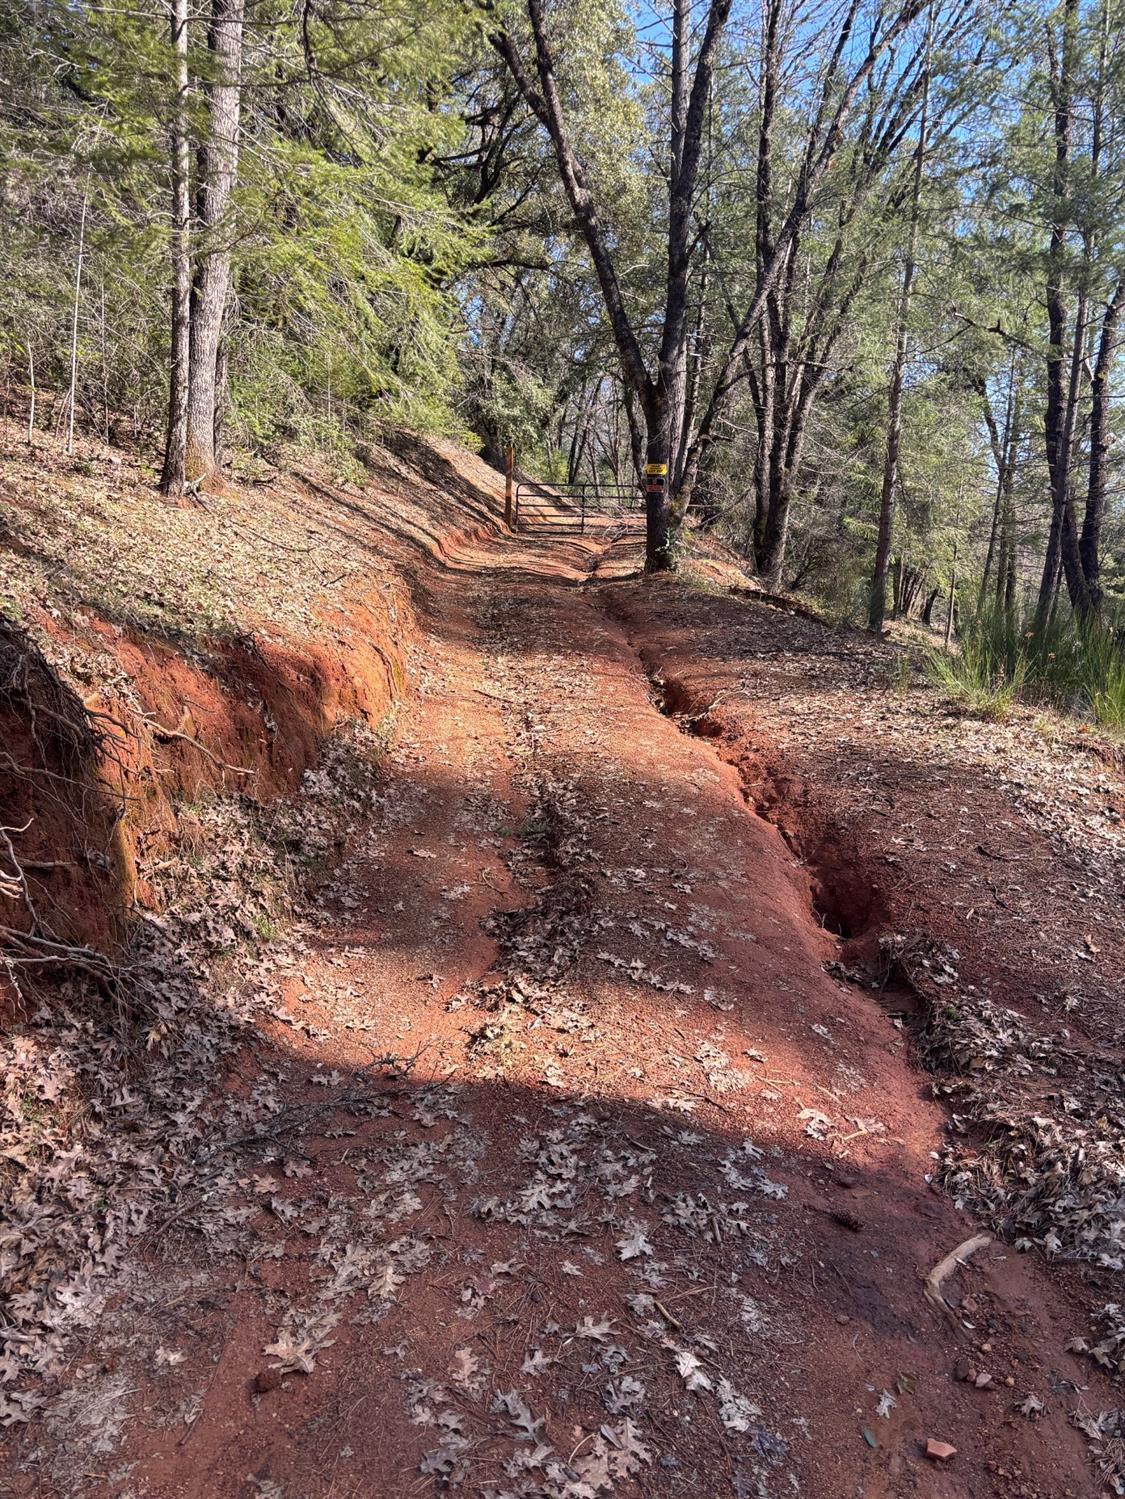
(509, 470)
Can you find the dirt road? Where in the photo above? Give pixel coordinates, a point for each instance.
(585, 1176)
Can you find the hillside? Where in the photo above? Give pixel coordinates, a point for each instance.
(216, 644)
(480, 1020)
(562, 749)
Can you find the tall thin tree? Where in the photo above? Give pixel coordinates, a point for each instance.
(211, 286)
(172, 477)
(878, 603)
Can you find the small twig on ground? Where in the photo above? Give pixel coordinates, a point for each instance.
(706, 1098)
(667, 1315)
(945, 1267)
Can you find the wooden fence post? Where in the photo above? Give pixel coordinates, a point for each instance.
(509, 472)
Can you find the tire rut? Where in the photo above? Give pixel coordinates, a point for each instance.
(646, 1214)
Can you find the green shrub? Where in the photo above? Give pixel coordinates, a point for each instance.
(1002, 657)
(1104, 681)
(976, 679)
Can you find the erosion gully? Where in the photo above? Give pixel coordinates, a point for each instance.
(640, 1203)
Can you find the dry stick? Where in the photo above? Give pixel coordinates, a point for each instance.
(667, 1315)
(945, 1267)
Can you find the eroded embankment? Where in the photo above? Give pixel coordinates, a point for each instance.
(95, 784)
(844, 895)
(891, 829)
(165, 656)
(904, 973)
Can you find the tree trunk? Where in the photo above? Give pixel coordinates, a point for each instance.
(1009, 577)
(1062, 389)
(1058, 429)
(668, 394)
(578, 439)
(1089, 543)
(658, 520)
(1006, 565)
(218, 166)
(1000, 445)
(993, 540)
(672, 373)
(172, 477)
(1089, 558)
(783, 473)
(222, 378)
(697, 354)
(74, 319)
(1076, 587)
(764, 409)
(952, 599)
(764, 387)
(776, 324)
(878, 603)
(822, 330)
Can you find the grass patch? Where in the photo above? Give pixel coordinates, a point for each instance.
(899, 674)
(1002, 658)
(974, 681)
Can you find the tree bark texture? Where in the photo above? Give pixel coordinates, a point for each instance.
(211, 287)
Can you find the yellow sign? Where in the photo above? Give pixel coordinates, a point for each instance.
(656, 468)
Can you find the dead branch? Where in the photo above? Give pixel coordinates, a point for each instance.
(29, 950)
(944, 1268)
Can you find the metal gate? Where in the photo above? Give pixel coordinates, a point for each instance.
(561, 508)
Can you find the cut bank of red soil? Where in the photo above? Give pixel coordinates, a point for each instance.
(642, 1205)
(218, 644)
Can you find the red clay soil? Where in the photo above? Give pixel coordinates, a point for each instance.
(56, 812)
(583, 1175)
(1003, 841)
(92, 788)
(178, 714)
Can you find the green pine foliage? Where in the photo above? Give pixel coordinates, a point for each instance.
(403, 255)
(345, 249)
